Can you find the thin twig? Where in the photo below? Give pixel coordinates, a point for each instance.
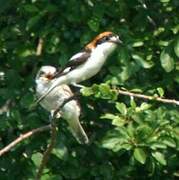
(23, 137)
(49, 148)
(53, 138)
(39, 47)
(148, 17)
(163, 100)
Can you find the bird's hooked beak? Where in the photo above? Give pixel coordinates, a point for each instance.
(116, 40)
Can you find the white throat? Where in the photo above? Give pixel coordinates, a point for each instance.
(105, 48)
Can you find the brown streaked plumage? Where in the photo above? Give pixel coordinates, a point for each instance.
(92, 44)
(70, 111)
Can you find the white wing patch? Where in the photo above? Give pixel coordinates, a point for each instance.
(75, 61)
(76, 56)
(66, 69)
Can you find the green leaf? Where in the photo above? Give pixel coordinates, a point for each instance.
(123, 56)
(104, 89)
(164, 1)
(133, 103)
(140, 155)
(108, 116)
(160, 91)
(157, 145)
(121, 107)
(144, 106)
(159, 157)
(125, 73)
(33, 21)
(61, 151)
(175, 29)
(139, 59)
(143, 132)
(126, 146)
(110, 143)
(169, 142)
(15, 114)
(118, 121)
(51, 8)
(176, 47)
(36, 158)
(131, 131)
(176, 132)
(94, 24)
(138, 44)
(31, 8)
(26, 52)
(86, 91)
(167, 61)
(26, 100)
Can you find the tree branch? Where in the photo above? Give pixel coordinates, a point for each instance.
(39, 47)
(148, 17)
(53, 138)
(163, 100)
(49, 148)
(23, 137)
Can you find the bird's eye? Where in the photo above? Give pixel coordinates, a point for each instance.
(104, 39)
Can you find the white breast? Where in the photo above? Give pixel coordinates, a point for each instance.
(90, 68)
(93, 65)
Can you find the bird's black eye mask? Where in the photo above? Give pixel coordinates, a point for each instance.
(104, 39)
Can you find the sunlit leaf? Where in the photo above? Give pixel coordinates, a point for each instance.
(60, 151)
(111, 143)
(164, 1)
(86, 91)
(140, 155)
(157, 145)
(160, 91)
(121, 107)
(139, 59)
(138, 44)
(159, 157)
(167, 61)
(176, 47)
(142, 107)
(169, 142)
(108, 116)
(36, 158)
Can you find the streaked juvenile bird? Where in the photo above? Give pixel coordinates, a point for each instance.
(70, 111)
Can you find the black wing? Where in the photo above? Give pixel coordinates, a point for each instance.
(75, 61)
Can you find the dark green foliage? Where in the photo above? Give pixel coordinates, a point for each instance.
(130, 138)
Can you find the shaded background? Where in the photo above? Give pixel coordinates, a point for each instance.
(130, 138)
